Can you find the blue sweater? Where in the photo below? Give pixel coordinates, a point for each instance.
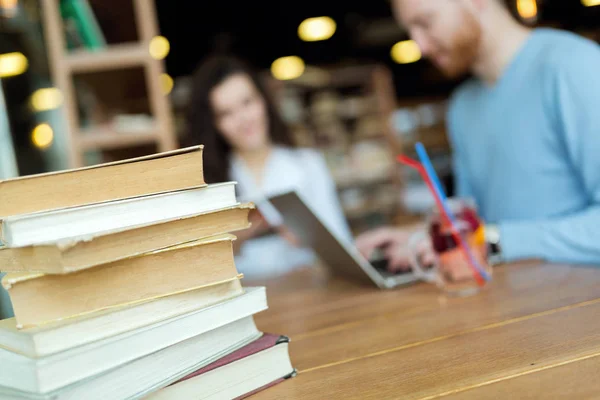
(528, 149)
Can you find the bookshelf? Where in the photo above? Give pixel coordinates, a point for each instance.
(8, 169)
(423, 119)
(346, 111)
(119, 73)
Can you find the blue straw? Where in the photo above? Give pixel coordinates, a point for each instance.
(439, 191)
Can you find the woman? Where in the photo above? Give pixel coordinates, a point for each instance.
(246, 141)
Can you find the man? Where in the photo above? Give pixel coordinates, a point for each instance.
(525, 130)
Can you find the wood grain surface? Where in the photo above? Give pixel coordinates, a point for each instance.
(351, 341)
(574, 379)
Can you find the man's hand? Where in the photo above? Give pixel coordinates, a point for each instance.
(258, 226)
(394, 243)
(285, 233)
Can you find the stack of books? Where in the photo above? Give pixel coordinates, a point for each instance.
(123, 284)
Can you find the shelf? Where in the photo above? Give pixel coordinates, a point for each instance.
(362, 182)
(118, 76)
(340, 111)
(108, 138)
(369, 211)
(430, 142)
(372, 136)
(113, 57)
(316, 78)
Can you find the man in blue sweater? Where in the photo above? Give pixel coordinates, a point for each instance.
(525, 130)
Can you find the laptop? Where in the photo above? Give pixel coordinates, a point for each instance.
(341, 257)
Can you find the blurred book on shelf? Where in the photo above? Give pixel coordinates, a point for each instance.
(99, 53)
(422, 120)
(353, 117)
(80, 25)
(343, 112)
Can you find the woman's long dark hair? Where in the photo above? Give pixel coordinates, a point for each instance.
(200, 117)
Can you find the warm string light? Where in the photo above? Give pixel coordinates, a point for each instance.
(317, 28)
(166, 83)
(42, 136)
(8, 8)
(527, 9)
(46, 99)
(12, 64)
(286, 68)
(159, 47)
(590, 3)
(406, 52)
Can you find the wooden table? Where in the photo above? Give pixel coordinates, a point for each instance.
(533, 333)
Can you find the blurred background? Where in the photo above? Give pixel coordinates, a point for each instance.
(89, 81)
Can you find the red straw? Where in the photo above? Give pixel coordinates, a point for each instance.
(457, 237)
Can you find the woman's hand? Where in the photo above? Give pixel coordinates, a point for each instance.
(260, 226)
(288, 236)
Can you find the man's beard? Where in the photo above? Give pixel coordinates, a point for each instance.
(463, 49)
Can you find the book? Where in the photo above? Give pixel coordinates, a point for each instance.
(54, 372)
(145, 375)
(81, 253)
(38, 298)
(158, 173)
(67, 334)
(79, 16)
(86, 222)
(252, 368)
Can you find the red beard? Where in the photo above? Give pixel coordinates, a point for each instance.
(462, 51)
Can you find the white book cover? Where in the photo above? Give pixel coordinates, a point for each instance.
(86, 222)
(59, 336)
(62, 369)
(138, 378)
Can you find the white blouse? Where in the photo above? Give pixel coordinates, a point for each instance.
(302, 170)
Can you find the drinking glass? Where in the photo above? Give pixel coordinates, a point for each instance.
(451, 270)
